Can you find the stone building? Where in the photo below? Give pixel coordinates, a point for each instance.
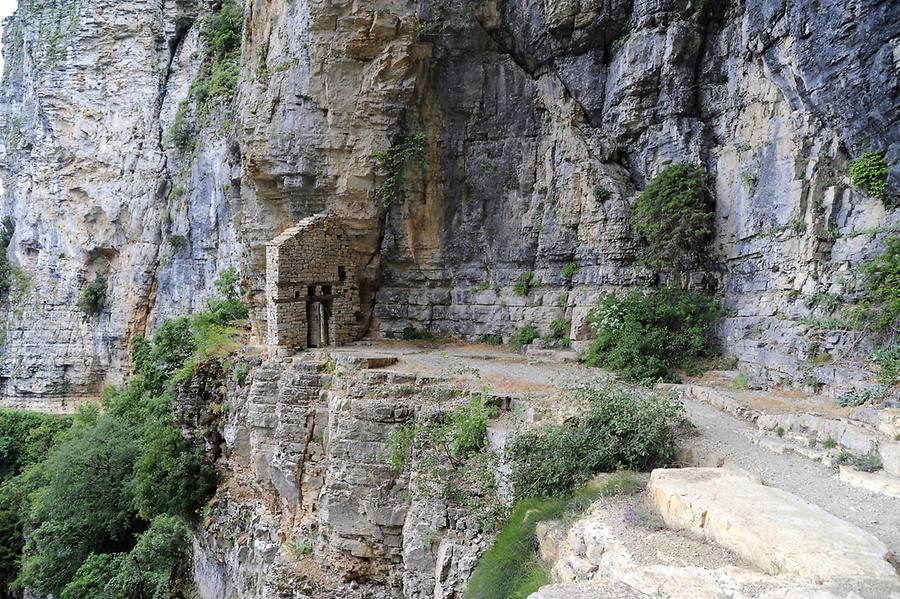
(312, 298)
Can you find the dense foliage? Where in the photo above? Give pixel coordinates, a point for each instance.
(619, 430)
(95, 510)
(523, 336)
(645, 337)
(25, 439)
(882, 280)
(870, 172)
(674, 218)
(93, 297)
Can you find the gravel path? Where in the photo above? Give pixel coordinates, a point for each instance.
(723, 436)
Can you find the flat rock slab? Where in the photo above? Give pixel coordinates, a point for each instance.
(778, 532)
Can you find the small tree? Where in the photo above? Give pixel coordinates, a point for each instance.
(674, 218)
(93, 297)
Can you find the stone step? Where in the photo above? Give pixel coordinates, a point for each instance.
(778, 532)
(871, 432)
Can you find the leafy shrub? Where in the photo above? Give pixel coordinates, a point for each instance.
(674, 218)
(559, 327)
(25, 439)
(646, 337)
(511, 568)
(888, 361)
(869, 172)
(240, 373)
(152, 569)
(870, 462)
(411, 333)
(228, 307)
(93, 297)
(524, 336)
(451, 459)
(524, 283)
(491, 339)
(170, 476)
(619, 431)
(860, 397)
(568, 270)
(601, 193)
(391, 162)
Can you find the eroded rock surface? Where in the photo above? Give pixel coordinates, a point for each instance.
(778, 532)
(543, 121)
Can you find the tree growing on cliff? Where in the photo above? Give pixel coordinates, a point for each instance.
(674, 219)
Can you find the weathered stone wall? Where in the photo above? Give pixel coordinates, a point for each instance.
(315, 255)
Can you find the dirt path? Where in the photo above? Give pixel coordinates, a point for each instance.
(723, 436)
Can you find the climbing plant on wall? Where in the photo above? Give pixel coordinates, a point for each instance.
(390, 163)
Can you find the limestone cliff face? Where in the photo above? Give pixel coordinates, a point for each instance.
(307, 507)
(529, 108)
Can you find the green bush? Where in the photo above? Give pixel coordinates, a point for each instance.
(870, 172)
(523, 336)
(568, 270)
(645, 337)
(888, 361)
(93, 297)
(25, 439)
(559, 327)
(674, 218)
(621, 430)
(228, 307)
(511, 568)
(491, 339)
(452, 461)
(170, 476)
(524, 283)
(153, 569)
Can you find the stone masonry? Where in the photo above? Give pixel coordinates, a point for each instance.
(312, 297)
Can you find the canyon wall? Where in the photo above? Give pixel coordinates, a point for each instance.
(542, 122)
(307, 505)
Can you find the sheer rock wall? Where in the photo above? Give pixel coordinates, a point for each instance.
(528, 108)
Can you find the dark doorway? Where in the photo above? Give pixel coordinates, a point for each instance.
(318, 318)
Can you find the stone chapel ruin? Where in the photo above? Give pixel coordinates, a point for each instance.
(312, 298)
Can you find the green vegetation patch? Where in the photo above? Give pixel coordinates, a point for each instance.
(523, 337)
(645, 337)
(216, 83)
(870, 172)
(674, 218)
(93, 297)
(98, 509)
(453, 462)
(621, 430)
(511, 568)
(391, 162)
